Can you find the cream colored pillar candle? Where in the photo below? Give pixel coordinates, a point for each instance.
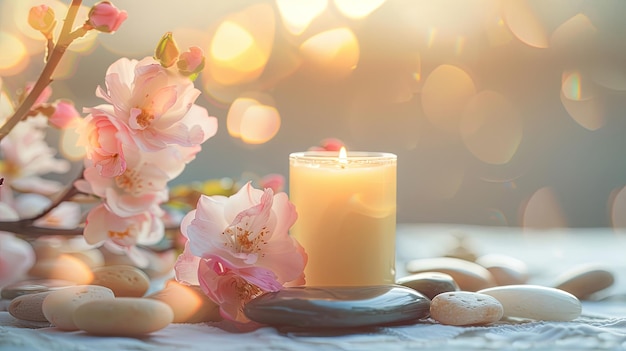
(346, 208)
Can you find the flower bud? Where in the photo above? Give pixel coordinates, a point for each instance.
(42, 18)
(105, 17)
(191, 62)
(64, 114)
(166, 51)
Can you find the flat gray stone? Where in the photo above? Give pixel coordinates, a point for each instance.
(430, 284)
(32, 286)
(344, 307)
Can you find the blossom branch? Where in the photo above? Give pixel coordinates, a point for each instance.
(27, 227)
(65, 39)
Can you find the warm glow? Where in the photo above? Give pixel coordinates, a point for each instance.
(574, 33)
(230, 42)
(357, 9)
(583, 100)
(524, 24)
(297, 15)
(6, 106)
(446, 92)
(617, 205)
(235, 114)
(253, 118)
(543, 210)
(68, 144)
(259, 124)
(332, 54)
(14, 56)
(64, 264)
(491, 128)
(588, 113)
(241, 46)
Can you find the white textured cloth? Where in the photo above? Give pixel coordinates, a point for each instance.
(601, 327)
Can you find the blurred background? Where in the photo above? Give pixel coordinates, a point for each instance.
(501, 112)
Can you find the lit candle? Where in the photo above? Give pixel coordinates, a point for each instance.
(346, 206)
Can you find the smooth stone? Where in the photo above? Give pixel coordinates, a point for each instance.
(59, 305)
(338, 307)
(125, 281)
(462, 247)
(465, 308)
(92, 258)
(158, 264)
(430, 284)
(28, 307)
(46, 249)
(536, 302)
(32, 286)
(64, 267)
(468, 275)
(189, 303)
(123, 316)
(506, 270)
(585, 280)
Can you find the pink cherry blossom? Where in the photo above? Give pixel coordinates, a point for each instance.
(231, 287)
(105, 17)
(16, 258)
(103, 137)
(7, 213)
(242, 243)
(26, 156)
(328, 144)
(274, 181)
(156, 104)
(64, 115)
(141, 187)
(191, 61)
(103, 225)
(66, 215)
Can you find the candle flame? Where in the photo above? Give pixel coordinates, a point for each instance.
(343, 155)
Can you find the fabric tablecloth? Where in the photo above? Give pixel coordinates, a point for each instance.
(602, 325)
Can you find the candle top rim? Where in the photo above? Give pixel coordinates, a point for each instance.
(353, 157)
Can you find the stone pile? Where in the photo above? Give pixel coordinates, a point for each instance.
(105, 294)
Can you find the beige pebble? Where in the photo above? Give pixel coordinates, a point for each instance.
(64, 267)
(465, 308)
(189, 303)
(46, 249)
(584, 280)
(506, 270)
(29, 307)
(123, 316)
(92, 258)
(463, 248)
(125, 281)
(468, 275)
(59, 305)
(159, 264)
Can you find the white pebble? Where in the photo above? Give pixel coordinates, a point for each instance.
(536, 302)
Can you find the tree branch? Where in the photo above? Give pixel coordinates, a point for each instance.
(65, 38)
